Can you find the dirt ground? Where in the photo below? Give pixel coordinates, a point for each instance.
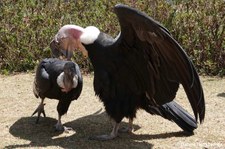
(87, 117)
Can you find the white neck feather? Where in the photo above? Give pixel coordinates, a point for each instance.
(89, 35)
(60, 80)
(61, 83)
(75, 81)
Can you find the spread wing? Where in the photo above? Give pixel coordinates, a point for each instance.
(158, 61)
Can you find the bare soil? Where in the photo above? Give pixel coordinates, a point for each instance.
(87, 117)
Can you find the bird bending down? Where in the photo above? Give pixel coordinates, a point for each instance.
(141, 68)
(57, 79)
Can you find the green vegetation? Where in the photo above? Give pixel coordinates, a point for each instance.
(27, 27)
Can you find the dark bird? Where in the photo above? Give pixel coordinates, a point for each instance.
(140, 69)
(57, 79)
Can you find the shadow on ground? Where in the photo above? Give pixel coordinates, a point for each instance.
(44, 135)
(221, 95)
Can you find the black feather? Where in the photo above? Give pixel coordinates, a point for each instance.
(45, 83)
(143, 68)
(174, 112)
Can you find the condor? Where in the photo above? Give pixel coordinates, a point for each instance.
(141, 68)
(57, 79)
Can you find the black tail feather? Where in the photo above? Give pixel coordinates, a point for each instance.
(174, 112)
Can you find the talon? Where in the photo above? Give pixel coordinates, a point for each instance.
(60, 127)
(39, 110)
(68, 129)
(111, 136)
(125, 130)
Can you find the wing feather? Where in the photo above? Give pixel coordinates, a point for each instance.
(42, 80)
(161, 63)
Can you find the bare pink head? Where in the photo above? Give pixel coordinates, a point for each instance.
(71, 37)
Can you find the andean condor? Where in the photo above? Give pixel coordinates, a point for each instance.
(141, 68)
(57, 79)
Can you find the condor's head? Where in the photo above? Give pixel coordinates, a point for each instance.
(70, 38)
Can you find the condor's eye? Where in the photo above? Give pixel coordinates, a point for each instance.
(57, 44)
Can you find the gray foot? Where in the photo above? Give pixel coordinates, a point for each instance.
(125, 130)
(60, 127)
(39, 110)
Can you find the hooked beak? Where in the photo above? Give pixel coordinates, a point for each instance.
(58, 52)
(82, 49)
(66, 49)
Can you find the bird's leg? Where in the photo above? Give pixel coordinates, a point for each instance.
(111, 136)
(129, 128)
(39, 110)
(60, 127)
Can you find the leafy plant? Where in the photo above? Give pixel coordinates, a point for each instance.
(27, 28)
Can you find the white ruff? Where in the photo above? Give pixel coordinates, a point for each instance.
(61, 83)
(75, 81)
(90, 34)
(60, 80)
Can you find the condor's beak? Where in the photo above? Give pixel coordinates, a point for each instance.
(66, 49)
(82, 49)
(58, 52)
